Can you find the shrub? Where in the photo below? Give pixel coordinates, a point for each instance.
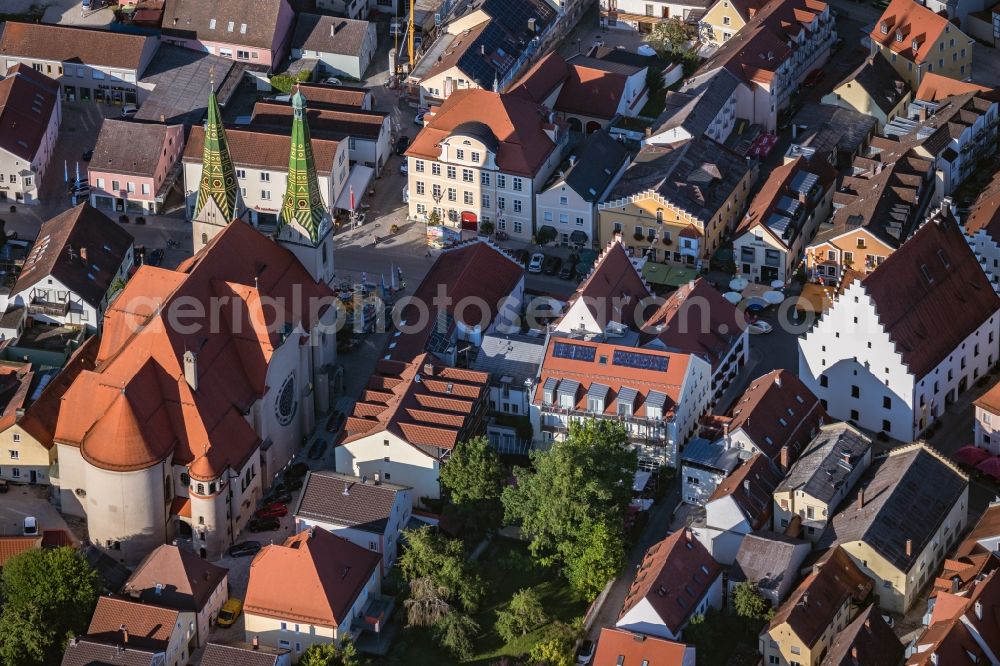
(284, 83)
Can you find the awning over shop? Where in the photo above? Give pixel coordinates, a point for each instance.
(578, 237)
(814, 298)
(357, 182)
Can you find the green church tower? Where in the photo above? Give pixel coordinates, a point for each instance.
(219, 201)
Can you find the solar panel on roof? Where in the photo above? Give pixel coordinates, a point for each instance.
(630, 359)
(803, 182)
(573, 352)
(778, 223)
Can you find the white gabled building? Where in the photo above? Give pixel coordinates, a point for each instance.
(900, 345)
(982, 229)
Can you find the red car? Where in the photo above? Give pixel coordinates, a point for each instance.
(275, 510)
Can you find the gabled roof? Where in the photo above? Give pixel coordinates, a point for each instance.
(985, 212)
(325, 93)
(262, 147)
(134, 148)
(27, 102)
(817, 600)
(679, 323)
(242, 654)
(314, 577)
(39, 420)
(866, 640)
(325, 122)
(751, 487)
(769, 559)
(136, 407)
(330, 34)
(826, 462)
(174, 578)
(349, 501)
(478, 270)
(148, 626)
(988, 527)
(674, 576)
(593, 167)
(880, 81)
(777, 410)
(428, 405)
(934, 87)
(931, 294)
(61, 43)
(82, 248)
(698, 103)
(961, 626)
(517, 124)
(915, 23)
(617, 646)
(245, 22)
(906, 498)
(85, 652)
(612, 292)
(11, 546)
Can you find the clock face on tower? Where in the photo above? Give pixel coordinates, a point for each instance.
(287, 402)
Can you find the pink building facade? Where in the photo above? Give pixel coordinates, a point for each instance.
(142, 185)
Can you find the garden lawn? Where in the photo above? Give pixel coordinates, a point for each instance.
(507, 567)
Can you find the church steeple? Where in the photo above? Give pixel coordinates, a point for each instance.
(219, 201)
(303, 205)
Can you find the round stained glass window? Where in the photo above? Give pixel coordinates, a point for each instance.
(285, 407)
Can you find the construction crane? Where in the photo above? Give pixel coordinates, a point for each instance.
(409, 35)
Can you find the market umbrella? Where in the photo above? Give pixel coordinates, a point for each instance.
(733, 297)
(777, 284)
(738, 284)
(578, 237)
(970, 455)
(773, 297)
(990, 466)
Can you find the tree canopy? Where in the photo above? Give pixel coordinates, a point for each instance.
(572, 504)
(428, 554)
(49, 596)
(473, 480)
(522, 614)
(669, 35)
(748, 602)
(331, 654)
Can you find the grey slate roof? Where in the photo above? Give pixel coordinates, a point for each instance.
(907, 496)
(515, 356)
(329, 34)
(714, 455)
(254, 21)
(241, 654)
(880, 80)
(696, 105)
(768, 558)
(873, 640)
(827, 461)
(181, 79)
(128, 147)
(366, 506)
(697, 176)
(82, 652)
(598, 160)
(826, 127)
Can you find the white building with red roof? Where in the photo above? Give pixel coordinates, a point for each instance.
(899, 346)
(30, 113)
(677, 580)
(192, 408)
(408, 420)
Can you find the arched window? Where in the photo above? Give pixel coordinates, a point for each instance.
(659, 216)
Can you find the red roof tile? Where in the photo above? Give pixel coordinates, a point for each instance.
(950, 634)
(751, 486)
(15, 545)
(775, 411)
(148, 626)
(27, 101)
(915, 23)
(931, 294)
(934, 87)
(314, 577)
(674, 576)
(614, 279)
(616, 646)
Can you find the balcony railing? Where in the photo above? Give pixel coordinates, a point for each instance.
(39, 306)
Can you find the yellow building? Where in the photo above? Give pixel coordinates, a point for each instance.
(915, 40)
(805, 626)
(818, 481)
(875, 89)
(902, 521)
(675, 203)
(723, 19)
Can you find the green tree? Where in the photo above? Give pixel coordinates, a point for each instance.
(669, 36)
(473, 479)
(580, 483)
(49, 597)
(522, 614)
(428, 554)
(428, 603)
(748, 602)
(455, 632)
(434, 219)
(557, 648)
(331, 654)
(284, 83)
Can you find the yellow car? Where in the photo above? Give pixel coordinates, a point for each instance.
(230, 611)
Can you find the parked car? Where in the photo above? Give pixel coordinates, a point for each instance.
(3, 486)
(30, 526)
(273, 510)
(332, 81)
(585, 654)
(296, 471)
(155, 257)
(403, 169)
(552, 265)
(281, 494)
(568, 271)
(760, 327)
(244, 548)
(813, 78)
(129, 110)
(419, 118)
(337, 420)
(522, 256)
(87, 155)
(263, 524)
(535, 265)
(402, 143)
(229, 612)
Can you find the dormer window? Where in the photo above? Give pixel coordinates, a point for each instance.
(915, 45)
(899, 35)
(884, 28)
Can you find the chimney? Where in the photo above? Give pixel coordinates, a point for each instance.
(922, 113)
(163, 118)
(979, 610)
(572, 160)
(83, 254)
(854, 650)
(861, 499)
(955, 580)
(429, 369)
(786, 459)
(909, 547)
(687, 534)
(377, 478)
(868, 624)
(649, 132)
(746, 485)
(256, 643)
(124, 631)
(191, 369)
